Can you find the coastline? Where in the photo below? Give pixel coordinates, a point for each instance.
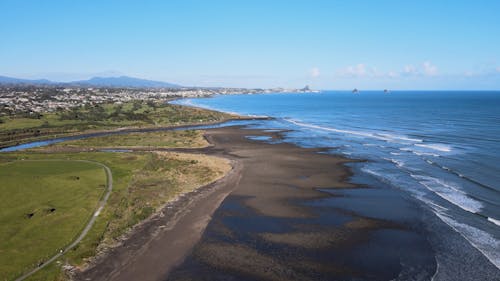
(178, 242)
(262, 202)
(179, 226)
(435, 171)
(345, 218)
(190, 105)
(275, 225)
(165, 230)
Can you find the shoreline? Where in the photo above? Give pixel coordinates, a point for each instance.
(273, 225)
(271, 183)
(195, 233)
(161, 246)
(263, 117)
(173, 243)
(167, 222)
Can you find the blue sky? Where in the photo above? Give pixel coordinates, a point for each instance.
(326, 44)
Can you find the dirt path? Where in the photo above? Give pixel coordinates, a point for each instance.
(162, 242)
(89, 225)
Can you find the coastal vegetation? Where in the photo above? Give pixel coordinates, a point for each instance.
(26, 127)
(50, 195)
(161, 139)
(143, 183)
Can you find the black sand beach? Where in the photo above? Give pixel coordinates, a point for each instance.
(289, 214)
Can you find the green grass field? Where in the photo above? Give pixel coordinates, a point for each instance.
(143, 183)
(45, 205)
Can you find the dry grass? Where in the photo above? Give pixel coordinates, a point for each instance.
(164, 177)
(161, 139)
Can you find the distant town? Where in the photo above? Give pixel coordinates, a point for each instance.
(22, 99)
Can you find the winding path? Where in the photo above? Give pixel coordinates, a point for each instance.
(89, 225)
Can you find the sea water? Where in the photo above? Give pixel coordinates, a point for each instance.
(442, 148)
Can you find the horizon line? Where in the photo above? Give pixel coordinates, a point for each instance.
(239, 87)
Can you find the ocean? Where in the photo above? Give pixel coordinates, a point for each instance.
(440, 148)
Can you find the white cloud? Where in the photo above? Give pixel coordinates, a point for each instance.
(392, 74)
(410, 70)
(314, 72)
(429, 69)
(362, 70)
(374, 72)
(498, 69)
(358, 70)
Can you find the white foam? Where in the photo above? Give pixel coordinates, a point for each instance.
(384, 177)
(379, 136)
(436, 207)
(418, 153)
(435, 146)
(438, 266)
(488, 245)
(405, 138)
(397, 162)
(372, 172)
(495, 221)
(425, 154)
(450, 193)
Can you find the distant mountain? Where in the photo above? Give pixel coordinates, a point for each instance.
(124, 81)
(11, 80)
(121, 81)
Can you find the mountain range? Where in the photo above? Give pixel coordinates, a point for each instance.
(117, 82)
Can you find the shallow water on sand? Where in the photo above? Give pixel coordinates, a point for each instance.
(440, 149)
(381, 253)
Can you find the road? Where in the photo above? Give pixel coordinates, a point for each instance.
(89, 225)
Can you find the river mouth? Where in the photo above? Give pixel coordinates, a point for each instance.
(385, 253)
(47, 142)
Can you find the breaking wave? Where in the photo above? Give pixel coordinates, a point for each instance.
(479, 239)
(379, 136)
(450, 193)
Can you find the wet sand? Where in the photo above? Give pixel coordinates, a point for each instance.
(273, 218)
